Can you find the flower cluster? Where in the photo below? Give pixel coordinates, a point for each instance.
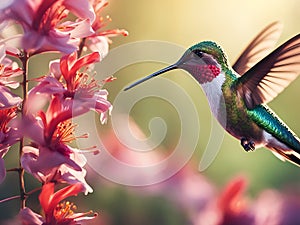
(40, 120)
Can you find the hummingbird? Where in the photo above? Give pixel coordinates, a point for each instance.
(238, 94)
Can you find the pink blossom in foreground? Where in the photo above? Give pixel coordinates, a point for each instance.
(42, 121)
(42, 24)
(47, 166)
(55, 211)
(77, 91)
(49, 158)
(100, 40)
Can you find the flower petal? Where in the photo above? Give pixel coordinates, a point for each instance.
(5, 3)
(35, 42)
(81, 8)
(8, 99)
(99, 44)
(72, 177)
(33, 128)
(54, 199)
(84, 61)
(43, 163)
(54, 68)
(80, 29)
(28, 217)
(46, 197)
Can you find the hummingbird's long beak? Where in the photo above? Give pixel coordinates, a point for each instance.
(172, 67)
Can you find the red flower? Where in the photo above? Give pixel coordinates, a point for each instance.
(55, 211)
(78, 92)
(233, 205)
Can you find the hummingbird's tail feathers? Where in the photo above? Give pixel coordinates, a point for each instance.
(284, 155)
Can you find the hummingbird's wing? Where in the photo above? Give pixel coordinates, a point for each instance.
(259, 47)
(265, 80)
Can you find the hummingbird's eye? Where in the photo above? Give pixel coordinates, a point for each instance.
(198, 53)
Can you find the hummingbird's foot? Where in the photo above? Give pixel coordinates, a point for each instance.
(247, 145)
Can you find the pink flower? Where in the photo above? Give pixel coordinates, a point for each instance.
(273, 207)
(77, 91)
(49, 158)
(82, 89)
(8, 136)
(100, 40)
(55, 211)
(48, 166)
(28, 217)
(8, 71)
(233, 205)
(42, 25)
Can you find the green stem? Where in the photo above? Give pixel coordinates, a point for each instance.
(24, 86)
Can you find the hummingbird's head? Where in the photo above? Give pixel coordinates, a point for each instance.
(204, 61)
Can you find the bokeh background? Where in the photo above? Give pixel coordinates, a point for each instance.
(232, 24)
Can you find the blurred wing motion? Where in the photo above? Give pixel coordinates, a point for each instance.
(260, 46)
(265, 80)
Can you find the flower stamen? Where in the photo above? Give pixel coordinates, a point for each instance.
(65, 210)
(83, 85)
(65, 132)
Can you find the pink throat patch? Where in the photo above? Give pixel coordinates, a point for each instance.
(206, 73)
